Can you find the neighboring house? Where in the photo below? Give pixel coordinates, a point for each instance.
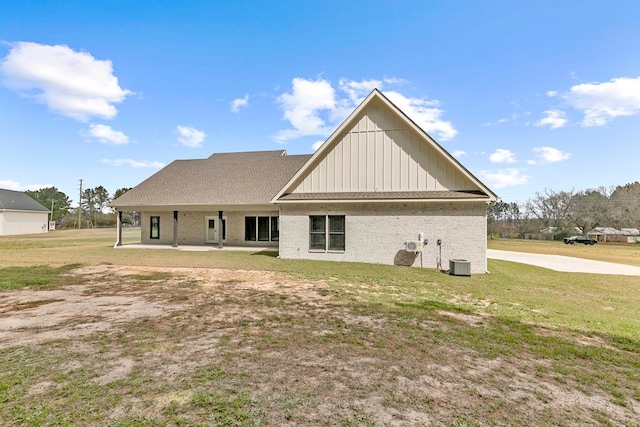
(633, 234)
(20, 214)
(377, 182)
(549, 233)
(610, 234)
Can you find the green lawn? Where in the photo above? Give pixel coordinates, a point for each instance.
(249, 339)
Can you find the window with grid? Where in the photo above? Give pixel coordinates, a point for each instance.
(327, 232)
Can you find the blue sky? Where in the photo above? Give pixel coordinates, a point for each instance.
(528, 95)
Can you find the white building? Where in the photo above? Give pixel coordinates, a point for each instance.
(20, 214)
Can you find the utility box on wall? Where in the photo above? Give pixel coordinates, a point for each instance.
(459, 267)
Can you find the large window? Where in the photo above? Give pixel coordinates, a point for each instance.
(261, 228)
(317, 232)
(275, 228)
(327, 232)
(155, 227)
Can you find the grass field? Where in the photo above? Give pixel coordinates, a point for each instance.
(90, 335)
(610, 252)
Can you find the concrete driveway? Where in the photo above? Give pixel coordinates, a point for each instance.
(565, 263)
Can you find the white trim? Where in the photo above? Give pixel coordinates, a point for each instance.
(310, 201)
(218, 228)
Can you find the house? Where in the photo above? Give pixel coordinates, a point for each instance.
(610, 234)
(20, 214)
(377, 182)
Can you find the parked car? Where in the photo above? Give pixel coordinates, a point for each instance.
(579, 239)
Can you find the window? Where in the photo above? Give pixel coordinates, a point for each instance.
(250, 228)
(323, 226)
(224, 229)
(317, 234)
(275, 229)
(261, 228)
(155, 227)
(336, 232)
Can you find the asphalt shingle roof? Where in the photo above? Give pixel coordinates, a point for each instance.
(248, 178)
(16, 201)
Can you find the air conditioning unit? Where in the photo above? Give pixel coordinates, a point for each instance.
(459, 267)
(413, 246)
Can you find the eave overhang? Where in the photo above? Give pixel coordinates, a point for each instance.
(385, 197)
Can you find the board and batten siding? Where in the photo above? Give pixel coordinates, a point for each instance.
(382, 153)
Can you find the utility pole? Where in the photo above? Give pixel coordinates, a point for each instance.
(80, 208)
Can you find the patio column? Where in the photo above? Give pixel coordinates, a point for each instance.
(175, 229)
(118, 229)
(221, 229)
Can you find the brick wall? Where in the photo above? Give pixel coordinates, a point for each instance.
(192, 228)
(376, 233)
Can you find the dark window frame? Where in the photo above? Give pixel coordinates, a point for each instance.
(154, 225)
(261, 228)
(275, 228)
(250, 229)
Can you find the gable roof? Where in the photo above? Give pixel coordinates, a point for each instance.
(397, 161)
(223, 179)
(17, 201)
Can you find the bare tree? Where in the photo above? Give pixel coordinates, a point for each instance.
(524, 221)
(626, 205)
(591, 208)
(551, 208)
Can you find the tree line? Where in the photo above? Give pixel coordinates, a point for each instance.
(93, 212)
(566, 211)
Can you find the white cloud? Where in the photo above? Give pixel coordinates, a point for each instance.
(602, 102)
(134, 163)
(554, 119)
(503, 120)
(190, 137)
(504, 178)
(425, 114)
(550, 154)
(107, 135)
(502, 156)
(314, 108)
(70, 83)
(237, 103)
(302, 108)
(316, 145)
(9, 184)
(357, 91)
(458, 153)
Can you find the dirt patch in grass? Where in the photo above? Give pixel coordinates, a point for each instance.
(149, 346)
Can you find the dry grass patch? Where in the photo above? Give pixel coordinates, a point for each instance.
(123, 346)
